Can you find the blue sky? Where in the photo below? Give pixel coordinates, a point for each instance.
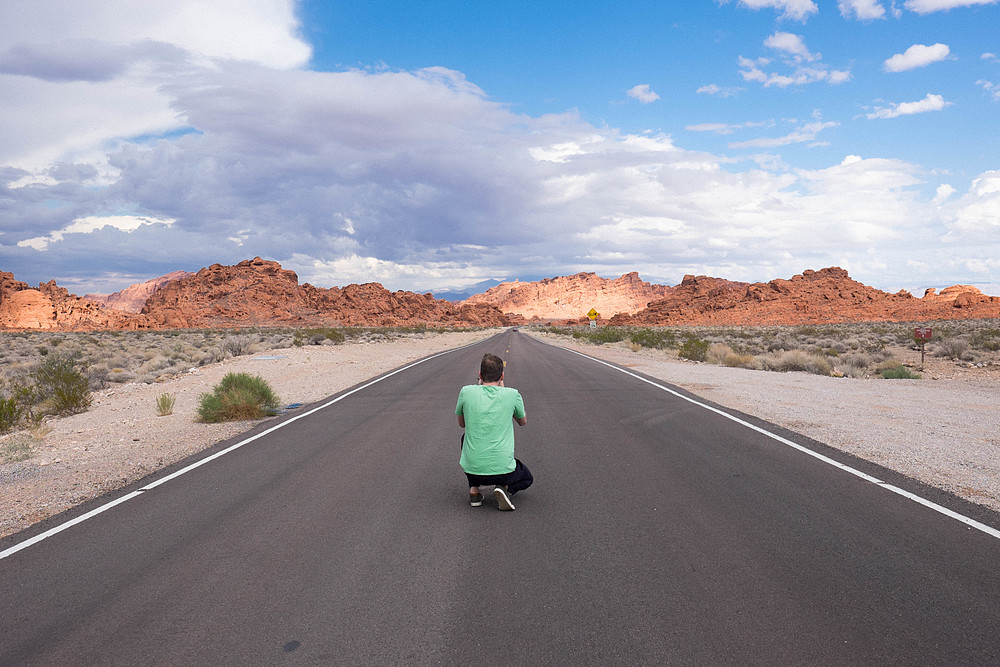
(431, 146)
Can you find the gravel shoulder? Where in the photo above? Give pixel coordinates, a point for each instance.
(943, 430)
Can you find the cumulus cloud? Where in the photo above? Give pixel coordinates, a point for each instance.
(931, 102)
(643, 93)
(159, 154)
(918, 55)
(791, 44)
(91, 224)
(930, 6)
(803, 65)
(863, 10)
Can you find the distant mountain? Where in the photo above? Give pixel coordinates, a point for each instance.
(572, 297)
(813, 297)
(133, 298)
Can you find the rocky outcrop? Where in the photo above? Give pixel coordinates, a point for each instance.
(51, 307)
(259, 292)
(133, 298)
(814, 297)
(571, 297)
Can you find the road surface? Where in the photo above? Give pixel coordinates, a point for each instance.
(657, 532)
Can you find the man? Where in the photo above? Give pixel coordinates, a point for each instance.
(487, 411)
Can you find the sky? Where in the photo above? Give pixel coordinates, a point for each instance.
(433, 146)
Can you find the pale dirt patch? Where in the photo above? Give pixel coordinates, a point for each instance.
(120, 439)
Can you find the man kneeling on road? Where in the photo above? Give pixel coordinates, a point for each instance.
(486, 411)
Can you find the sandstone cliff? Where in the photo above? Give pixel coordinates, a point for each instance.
(51, 307)
(258, 292)
(814, 297)
(571, 297)
(133, 298)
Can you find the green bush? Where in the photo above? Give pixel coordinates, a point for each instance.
(60, 389)
(12, 413)
(694, 349)
(238, 397)
(899, 373)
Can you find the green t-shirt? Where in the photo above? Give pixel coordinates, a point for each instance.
(489, 430)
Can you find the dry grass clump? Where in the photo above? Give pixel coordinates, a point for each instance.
(722, 354)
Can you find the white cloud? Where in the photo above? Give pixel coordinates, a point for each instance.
(718, 91)
(991, 88)
(412, 178)
(643, 93)
(930, 103)
(805, 134)
(791, 44)
(918, 55)
(863, 10)
(797, 55)
(797, 10)
(943, 193)
(929, 6)
(91, 224)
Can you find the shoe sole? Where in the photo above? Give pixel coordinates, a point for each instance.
(503, 500)
(475, 503)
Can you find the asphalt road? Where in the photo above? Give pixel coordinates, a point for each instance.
(657, 532)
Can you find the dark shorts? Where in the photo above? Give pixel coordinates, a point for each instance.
(516, 480)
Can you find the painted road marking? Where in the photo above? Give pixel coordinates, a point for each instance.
(197, 464)
(972, 523)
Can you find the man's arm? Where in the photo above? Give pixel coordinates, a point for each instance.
(522, 421)
(461, 420)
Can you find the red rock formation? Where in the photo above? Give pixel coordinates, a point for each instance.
(571, 297)
(258, 292)
(133, 298)
(51, 307)
(828, 295)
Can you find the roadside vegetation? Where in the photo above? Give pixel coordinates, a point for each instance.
(857, 350)
(238, 397)
(48, 374)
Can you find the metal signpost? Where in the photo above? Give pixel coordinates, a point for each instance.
(593, 315)
(922, 335)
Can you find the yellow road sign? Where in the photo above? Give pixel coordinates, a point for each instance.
(593, 314)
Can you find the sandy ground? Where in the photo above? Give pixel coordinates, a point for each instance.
(943, 430)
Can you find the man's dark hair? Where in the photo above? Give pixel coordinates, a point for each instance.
(491, 368)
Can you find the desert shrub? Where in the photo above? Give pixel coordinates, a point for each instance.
(237, 346)
(59, 387)
(656, 339)
(694, 349)
(165, 405)
(797, 360)
(12, 414)
(237, 397)
(723, 355)
(899, 372)
(952, 348)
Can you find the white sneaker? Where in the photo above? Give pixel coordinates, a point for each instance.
(503, 500)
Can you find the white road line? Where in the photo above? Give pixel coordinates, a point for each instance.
(972, 523)
(118, 501)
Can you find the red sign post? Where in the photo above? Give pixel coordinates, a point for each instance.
(922, 335)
